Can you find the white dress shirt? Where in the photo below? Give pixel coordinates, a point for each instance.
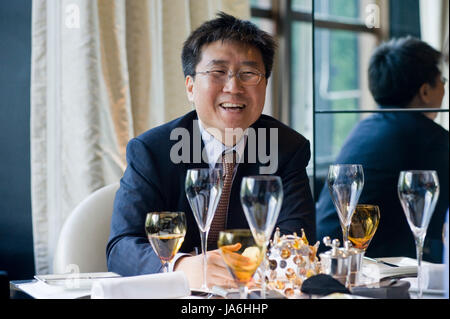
(215, 148)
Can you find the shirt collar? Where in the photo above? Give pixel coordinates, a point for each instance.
(215, 148)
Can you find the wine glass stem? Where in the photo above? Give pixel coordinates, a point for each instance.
(204, 237)
(419, 251)
(263, 278)
(243, 291)
(165, 267)
(344, 235)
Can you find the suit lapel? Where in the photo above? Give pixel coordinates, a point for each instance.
(196, 145)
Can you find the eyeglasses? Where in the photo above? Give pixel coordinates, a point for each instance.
(246, 77)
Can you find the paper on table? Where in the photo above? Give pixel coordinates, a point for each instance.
(432, 279)
(406, 266)
(41, 290)
(155, 286)
(75, 281)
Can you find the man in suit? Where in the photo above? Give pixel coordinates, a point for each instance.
(402, 73)
(227, 63)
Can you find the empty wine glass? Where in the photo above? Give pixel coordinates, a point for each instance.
(261, 199)
(418, 192)
(345, 183)
(203, 189)
(165, 232)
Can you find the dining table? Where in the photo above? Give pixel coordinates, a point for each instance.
(378, 280)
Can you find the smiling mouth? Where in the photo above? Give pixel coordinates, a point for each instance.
(232, 106)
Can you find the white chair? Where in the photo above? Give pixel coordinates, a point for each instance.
(82, 242)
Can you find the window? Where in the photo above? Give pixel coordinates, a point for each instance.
(341, 44)
(323, 95)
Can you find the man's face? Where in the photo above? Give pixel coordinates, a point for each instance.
(436, 93)
(432, 95)
(230, 104)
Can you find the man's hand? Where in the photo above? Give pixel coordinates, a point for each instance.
(216, 275)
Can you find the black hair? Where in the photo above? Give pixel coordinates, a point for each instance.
(227, 28)
(399, 68)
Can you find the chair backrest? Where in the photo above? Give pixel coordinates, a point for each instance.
(84, 235)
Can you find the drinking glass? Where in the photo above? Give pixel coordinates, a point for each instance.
(345, 183)
(418, 192)
(242, 255)
(261, 199)
(165, 232)
(203, 189)
(363, 226)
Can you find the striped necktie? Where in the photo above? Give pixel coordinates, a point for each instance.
(220, 216)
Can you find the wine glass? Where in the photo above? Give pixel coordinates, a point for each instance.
(203, 189)
(242, 255)
(418, 192)
(363, 226)
(165, 232)
(261, 199)
(345, 183)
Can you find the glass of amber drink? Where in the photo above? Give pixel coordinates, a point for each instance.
(242, 255)
(363, 226)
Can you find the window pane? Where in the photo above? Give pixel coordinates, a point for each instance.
(302, 5)
(269, 26)
(343, 10)
(264, 24)
(331, 132)
(261, 4)
(302, 111)
(341, 63)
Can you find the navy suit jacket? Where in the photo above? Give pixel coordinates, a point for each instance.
(386, 144)
(152, 182)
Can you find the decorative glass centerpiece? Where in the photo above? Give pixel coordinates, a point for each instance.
(291, 261)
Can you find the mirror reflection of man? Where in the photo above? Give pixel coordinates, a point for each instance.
(403, 73)
(227, 63)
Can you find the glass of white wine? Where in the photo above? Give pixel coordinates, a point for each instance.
(242, 256)
(165, 232)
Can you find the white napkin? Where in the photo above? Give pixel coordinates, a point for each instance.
(432, 278)
(156, 286)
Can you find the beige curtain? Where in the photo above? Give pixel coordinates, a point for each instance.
(434, 22)
(103, 71)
